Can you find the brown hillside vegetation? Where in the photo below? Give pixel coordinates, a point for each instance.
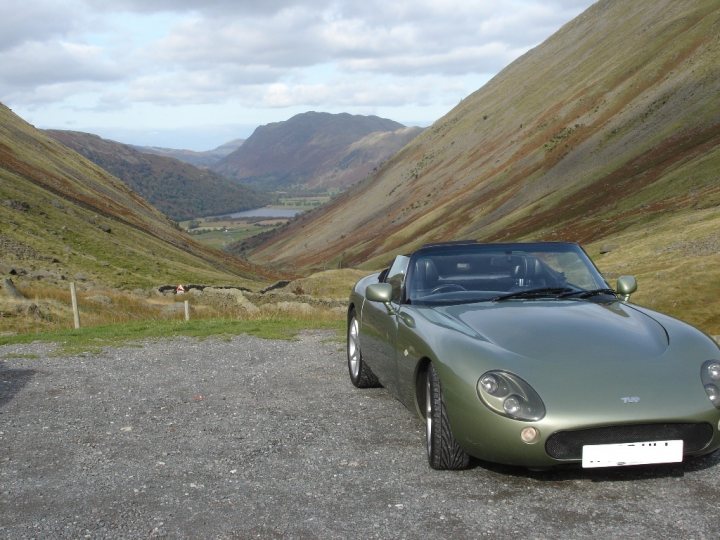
(359, 159)
(62, 216)
(607, 134)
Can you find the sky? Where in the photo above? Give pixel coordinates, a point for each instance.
(195, 74)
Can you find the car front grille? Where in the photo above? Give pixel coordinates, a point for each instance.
(568, 444)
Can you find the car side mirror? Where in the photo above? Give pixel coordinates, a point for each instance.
(379, 292)
(626, 285)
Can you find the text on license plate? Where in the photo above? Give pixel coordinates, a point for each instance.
(636, 453)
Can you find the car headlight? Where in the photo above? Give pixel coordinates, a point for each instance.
(508, 395)
(710, 376)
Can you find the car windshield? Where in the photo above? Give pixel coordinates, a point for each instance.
(465, 273)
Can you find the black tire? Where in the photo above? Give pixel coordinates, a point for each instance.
(360, 373)
(444, 453)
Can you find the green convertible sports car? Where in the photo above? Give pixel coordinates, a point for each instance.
(521, 353)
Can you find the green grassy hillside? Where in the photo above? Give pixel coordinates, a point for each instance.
(64, 218)
(607, 134)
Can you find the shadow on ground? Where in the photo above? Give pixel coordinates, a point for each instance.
(12, 381)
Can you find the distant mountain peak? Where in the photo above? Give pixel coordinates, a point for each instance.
(302, 152)
(204, 159)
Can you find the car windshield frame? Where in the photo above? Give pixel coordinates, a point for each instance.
(520, 271)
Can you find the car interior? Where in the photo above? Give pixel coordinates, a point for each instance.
(496, 273)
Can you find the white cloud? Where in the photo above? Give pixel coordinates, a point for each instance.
(253, 57)
(487, 58)
(49, 63)
(362, 92)
(28, 20)
(287, 40)
(224, 7)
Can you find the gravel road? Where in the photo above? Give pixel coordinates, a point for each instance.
(245, 438)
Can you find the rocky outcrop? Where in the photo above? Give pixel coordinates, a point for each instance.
(9, 289)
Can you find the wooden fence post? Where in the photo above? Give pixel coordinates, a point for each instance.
(76, 313)
(187, 310)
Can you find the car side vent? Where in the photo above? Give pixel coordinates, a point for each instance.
(568, 444)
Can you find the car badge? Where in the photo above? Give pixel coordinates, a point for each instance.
(630, 399)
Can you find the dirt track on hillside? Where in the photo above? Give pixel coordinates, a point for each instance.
(246, 437)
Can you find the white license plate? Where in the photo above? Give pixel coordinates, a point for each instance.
(637, 453)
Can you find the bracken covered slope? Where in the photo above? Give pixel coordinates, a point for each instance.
(361, 158)
(62, 215)
(608, 132)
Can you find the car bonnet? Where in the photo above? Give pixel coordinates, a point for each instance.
(565, 329)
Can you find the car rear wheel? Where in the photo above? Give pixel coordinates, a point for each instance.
(443, 450)
(360, 374)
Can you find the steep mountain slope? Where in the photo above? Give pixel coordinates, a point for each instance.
(362, 158)
(609, 130)
(306, 149)
(64, 217)
(178, 189)
(198, 159)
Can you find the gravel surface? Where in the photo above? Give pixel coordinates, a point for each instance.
(244, 438)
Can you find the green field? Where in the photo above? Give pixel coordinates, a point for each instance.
(218, 232)
(233, 232)
(92, 340)
(302, 202)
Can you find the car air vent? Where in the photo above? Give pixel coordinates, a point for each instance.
(568, 444)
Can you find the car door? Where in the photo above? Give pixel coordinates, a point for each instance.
(380, 327)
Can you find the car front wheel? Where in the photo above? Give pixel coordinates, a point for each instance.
(360, 373)
(443, 450)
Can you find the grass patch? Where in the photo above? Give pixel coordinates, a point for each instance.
(675, 261)
(301, 202)
(93, 339)
(219, 239)
(110, 316)
(328, 283)
(28, 356)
